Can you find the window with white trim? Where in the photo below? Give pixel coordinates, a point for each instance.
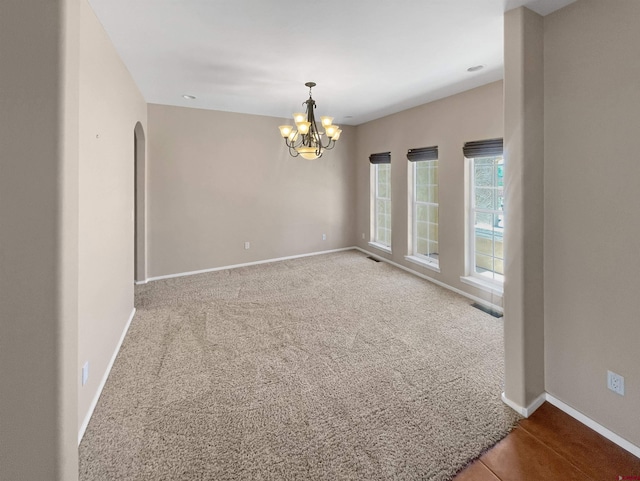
(424, 225)
(486, 217)
(381, 202)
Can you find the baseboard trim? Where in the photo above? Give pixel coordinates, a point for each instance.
(138, 283)
(597, 427)
(525, 411)
(246, 264)
(103, 381)
(577, 415)
(495, 307)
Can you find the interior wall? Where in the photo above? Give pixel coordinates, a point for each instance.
(476, 114)
(524, 173)
(110, 107)
(217, 180)
(592, 220)
(38, 239)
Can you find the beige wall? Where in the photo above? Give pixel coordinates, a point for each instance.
(592, 215)
(524, 160)
(38, 239)
(110, 106)
(217, 180)
(448, 123)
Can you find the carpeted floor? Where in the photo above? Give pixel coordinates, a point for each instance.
(330, 367)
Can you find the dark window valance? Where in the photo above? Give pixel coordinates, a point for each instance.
(381, 158)
(423, 153)
(483, 148)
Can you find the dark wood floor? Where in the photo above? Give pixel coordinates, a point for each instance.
(552, 446)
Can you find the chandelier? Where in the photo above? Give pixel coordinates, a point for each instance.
(307, 140)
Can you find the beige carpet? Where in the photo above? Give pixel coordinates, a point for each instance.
(331, 367)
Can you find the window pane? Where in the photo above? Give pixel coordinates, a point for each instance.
(485, 198)
(383, 190)
(500, 173)
(484, 220)
(433, 213)
(422, 193)
(484, 243)
(484, 264)
(433, 195)
(422, 173)
(484, 175)
(422, 230)
(422, 247)
(485, 160)
(433, 231)
(433, 250)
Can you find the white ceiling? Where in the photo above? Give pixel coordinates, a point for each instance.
(370, 58)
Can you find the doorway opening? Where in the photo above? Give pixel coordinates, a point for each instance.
(139, 200)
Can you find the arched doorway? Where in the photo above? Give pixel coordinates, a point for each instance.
(139, 196)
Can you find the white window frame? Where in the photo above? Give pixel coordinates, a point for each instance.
(494, 282)
(375, 240)
(415, 256)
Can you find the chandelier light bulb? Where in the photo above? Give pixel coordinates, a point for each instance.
(285, 130)
(303, 127)
(331, 130)
(298, 117)
(326, 121)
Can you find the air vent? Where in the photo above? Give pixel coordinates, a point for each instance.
(373, 259)
(488, 310)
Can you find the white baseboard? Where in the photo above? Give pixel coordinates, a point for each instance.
(488, 304)
(138, 283)
(235, 266)
(587, 421)
(103, 381)
(597, 427)
(525, 411)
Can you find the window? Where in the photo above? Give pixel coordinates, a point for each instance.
(424, 223)
(486, 212)
(381, 204)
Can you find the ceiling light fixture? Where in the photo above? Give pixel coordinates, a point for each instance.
(307, 140)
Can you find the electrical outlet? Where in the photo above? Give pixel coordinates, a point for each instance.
(324, 236)
(247, 245)
(85, 373)
(615, 382)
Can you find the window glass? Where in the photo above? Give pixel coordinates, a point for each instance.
(382, 205)
(487, 218)
(425, 210)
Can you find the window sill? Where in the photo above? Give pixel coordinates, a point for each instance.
(434, 266)
(493, 288)
(383, 248)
